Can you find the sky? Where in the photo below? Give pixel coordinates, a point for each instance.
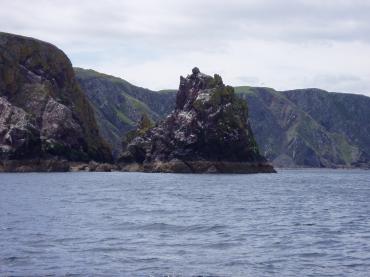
(284, 44)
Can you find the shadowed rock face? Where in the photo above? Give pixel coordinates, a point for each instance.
(207, 132)
(43, 112)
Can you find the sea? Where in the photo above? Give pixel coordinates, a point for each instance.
(311, 222)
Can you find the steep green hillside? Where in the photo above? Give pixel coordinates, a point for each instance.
(341, 113)
(289, 136)
(119, 105)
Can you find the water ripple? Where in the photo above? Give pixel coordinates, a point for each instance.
(294, 223)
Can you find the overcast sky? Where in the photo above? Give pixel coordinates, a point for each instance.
(284, 44)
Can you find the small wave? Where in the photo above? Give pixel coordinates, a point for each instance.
(64, 240)
(221, 245)
(327, 242)
(104, 200)
(356, 265)
(303, 224)
(206, 228)
(158, 211)
(145, 260)
(160, 226)
(11, 259)
(108, 249)
(7, 228)
(237, 263)
(14, 260)
(312, 255)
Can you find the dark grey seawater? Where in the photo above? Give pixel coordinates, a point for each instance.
(294, 223)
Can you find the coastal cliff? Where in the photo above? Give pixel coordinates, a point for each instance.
(44, 115)
(53, 118)
(207, 132)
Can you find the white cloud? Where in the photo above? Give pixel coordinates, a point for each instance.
(283, 44)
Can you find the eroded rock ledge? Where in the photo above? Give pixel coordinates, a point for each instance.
(54, 165)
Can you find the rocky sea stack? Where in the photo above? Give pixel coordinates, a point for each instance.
(208, 132)
(45, 119)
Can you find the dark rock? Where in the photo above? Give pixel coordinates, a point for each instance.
(195, 70)
(207, 132)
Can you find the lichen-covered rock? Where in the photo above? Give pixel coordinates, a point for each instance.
(44, 113)
(207, 132)
(19, 138)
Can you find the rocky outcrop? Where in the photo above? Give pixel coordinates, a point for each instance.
(207, 132)
(43, 112)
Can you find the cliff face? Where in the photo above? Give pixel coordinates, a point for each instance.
(118, 105)
(43, 112)
(207, 132)
(310, 128)
(346, 115)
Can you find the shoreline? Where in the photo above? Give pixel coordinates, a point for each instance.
(175, 166)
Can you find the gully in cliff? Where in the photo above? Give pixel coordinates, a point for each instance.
(208, 132)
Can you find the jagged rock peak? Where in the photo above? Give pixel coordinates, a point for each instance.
(191, 86)
(195, 70)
